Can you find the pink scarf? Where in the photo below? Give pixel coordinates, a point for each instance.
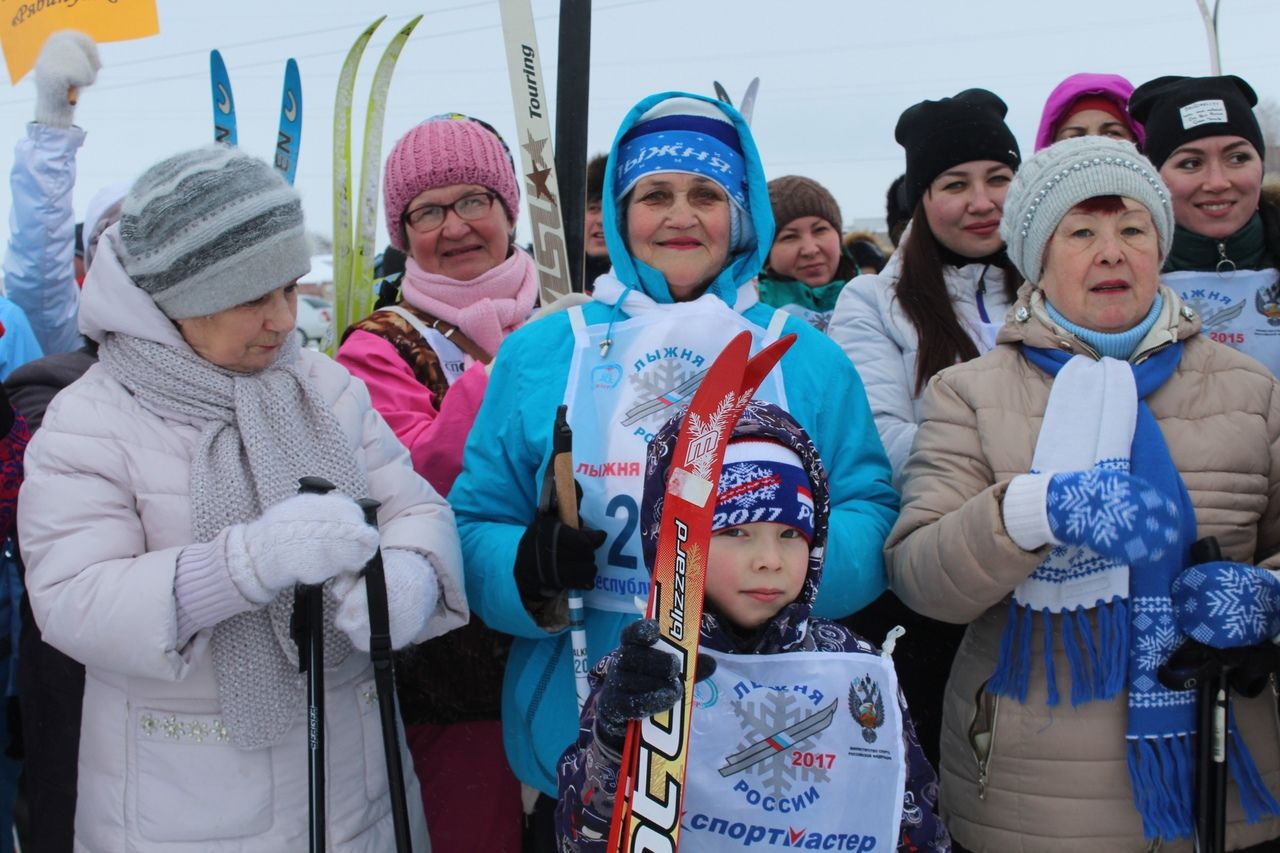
(487, 308)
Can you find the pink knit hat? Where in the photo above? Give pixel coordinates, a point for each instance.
(446, 150)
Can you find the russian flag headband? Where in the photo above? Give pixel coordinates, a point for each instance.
(763, 481)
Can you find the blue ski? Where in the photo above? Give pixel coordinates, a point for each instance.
(224, 106)
(290, 134)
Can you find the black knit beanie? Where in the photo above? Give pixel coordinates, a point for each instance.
(1178, 110)
(945, 133)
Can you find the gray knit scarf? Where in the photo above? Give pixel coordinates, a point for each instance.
(260, 433)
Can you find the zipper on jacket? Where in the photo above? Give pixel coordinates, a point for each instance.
(536, 700)
(982, 289)
(984, 761)
(1225, 264)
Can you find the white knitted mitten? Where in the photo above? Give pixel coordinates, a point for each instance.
(412, 593)
(305, 539)
(69, 60)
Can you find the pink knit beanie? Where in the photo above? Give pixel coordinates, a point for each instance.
(442, 151)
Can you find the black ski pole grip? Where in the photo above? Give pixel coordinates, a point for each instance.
(1206, 550)
(376, 590)
(1192, 664)
(315, 486)
(300, 621)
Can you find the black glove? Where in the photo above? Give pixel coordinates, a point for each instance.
(553, 556)
(643, 681)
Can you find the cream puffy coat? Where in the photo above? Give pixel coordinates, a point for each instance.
(1026, 777)
(869, 325)
(105, 510)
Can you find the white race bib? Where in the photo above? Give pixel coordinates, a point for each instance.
(618, 401)
(801, 749)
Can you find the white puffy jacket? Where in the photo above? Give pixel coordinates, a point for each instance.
(105, 510)
(869, 325)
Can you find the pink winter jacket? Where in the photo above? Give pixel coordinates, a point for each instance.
(435, 437)
(104, 513)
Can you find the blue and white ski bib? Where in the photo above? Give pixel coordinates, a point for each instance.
(1240, 308)
(799, 749)
(618, 401)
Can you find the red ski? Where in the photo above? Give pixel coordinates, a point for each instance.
(651, 780)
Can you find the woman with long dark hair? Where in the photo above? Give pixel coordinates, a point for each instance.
(943, 294)
(940, 300)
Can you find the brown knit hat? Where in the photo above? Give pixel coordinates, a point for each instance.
(793, 196)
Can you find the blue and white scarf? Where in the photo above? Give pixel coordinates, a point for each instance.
(1118, 626)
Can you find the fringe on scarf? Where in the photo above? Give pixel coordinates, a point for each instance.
(1097, 657)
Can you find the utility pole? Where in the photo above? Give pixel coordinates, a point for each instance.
(1211, 30)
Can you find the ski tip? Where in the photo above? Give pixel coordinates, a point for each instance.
(404, 32)
(722, 93)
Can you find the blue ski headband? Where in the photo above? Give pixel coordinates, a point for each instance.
(696, 145)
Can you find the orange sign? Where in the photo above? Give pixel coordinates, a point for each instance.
(25, 24)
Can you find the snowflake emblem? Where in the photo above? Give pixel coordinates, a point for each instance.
(762, 720)
(659, 389)
(1155, 646)
(746, 484)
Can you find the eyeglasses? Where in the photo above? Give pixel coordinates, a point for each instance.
(469, 208)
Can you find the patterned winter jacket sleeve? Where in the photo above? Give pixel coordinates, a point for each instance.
(588, 777)
(13, 445)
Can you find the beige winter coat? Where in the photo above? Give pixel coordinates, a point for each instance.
(1026, 777)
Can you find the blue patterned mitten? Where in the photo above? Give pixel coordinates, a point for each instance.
(1112, 513)
(1227, 605)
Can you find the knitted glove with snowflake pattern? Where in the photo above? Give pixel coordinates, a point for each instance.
(1110, 512)
(1227, 605)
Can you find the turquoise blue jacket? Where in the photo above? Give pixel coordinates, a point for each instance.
(495, 497)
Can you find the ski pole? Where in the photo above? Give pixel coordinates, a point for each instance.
(375, 582)
(308, 634)
(1194, 666)
(1212, 706)
(573, 75)
(560, 491)
(566, 495)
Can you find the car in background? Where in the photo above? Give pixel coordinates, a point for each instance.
(315, 322)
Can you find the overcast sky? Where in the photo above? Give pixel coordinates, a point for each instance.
(835, 74)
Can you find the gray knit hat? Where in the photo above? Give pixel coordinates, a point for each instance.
(212, 228)
(1066, 173)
